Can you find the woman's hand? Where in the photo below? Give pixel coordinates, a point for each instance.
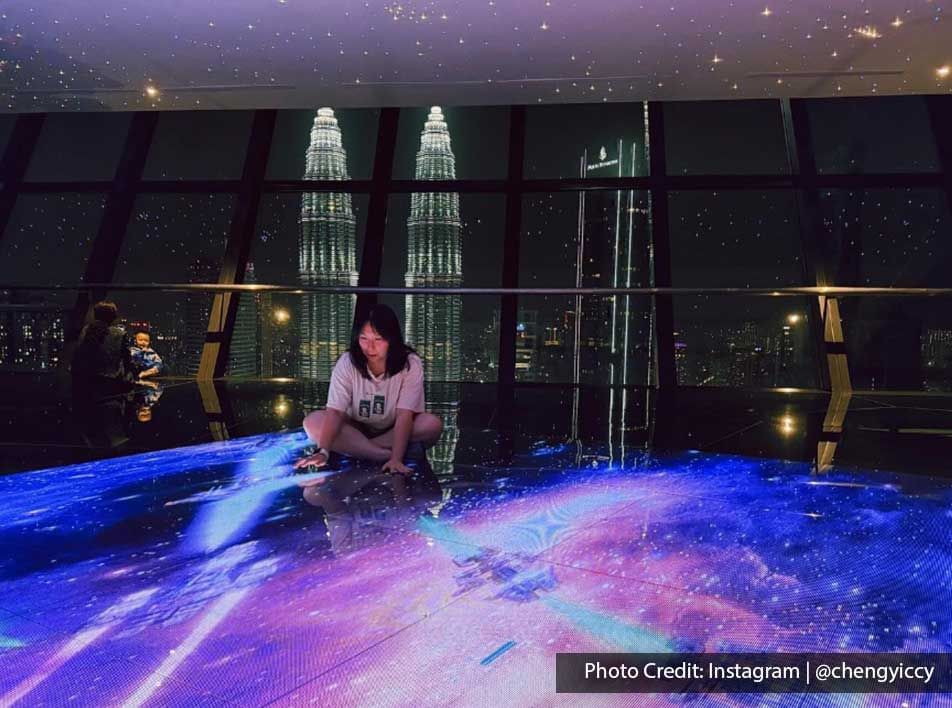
(318, 459)
(393, 465)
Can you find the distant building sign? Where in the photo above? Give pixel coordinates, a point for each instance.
(603, 161)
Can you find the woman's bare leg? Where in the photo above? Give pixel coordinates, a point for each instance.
(349, 441)
(427, 429)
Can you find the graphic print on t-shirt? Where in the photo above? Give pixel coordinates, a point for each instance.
(364, 410)
(379, 406)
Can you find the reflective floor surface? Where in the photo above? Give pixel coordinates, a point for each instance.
(880, 430)
(199, 576)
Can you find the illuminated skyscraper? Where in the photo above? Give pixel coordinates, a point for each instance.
(244, 356)
(327, 254)
(434, 256)
(612, 334)
(435, 259)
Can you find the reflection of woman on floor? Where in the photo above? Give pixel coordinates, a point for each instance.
(375, 404)
(362, 506)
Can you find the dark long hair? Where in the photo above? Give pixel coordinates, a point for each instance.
(105, 314)
(385, 323)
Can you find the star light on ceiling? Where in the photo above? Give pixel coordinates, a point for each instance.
(238, 59)
(868, 31)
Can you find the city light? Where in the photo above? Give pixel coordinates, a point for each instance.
(282, 316)
(151, 91)
(943, 71)
(787, 425)
(793, 318)
(282, 407)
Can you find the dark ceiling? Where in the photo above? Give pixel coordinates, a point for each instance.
(177, 54)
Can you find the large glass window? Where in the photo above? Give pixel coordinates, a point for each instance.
(888, 237)
(174, 238)
(48, 240)
(883, 134)
(596, 239)
(456, 336)
(724, 137)
(452, 143)
(735, 239)
(311, 239)
(49, 237)
(898, 343)
(79, 146)
(593, 339)
(32, 329)
(447, 240)
(199, 145)
(742, 239)
(324, 143)
(744, 342)
(586, 140)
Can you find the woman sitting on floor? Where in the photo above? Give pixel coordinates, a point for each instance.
(375, 404)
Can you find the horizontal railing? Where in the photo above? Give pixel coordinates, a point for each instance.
(790, 291)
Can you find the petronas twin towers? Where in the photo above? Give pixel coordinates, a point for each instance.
(328, 254)
(434, 256)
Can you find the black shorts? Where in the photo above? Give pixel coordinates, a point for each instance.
(369, 432)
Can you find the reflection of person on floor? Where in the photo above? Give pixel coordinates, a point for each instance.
(375, 404)
(147, 394)
(145, 361)
(362, 505)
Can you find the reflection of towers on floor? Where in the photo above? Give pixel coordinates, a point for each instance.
(442, 399)
(434, 259)
(244, 359)
(327, 253)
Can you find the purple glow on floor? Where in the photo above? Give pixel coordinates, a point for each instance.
(106, 600)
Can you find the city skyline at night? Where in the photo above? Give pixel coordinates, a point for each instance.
(752, 237)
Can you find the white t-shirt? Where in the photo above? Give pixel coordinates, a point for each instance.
(374, 401)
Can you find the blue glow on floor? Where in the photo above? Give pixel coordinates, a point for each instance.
(195, 574)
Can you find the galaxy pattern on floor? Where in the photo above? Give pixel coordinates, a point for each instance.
(199, 576)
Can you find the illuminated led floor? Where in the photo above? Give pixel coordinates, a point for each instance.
(198, 576)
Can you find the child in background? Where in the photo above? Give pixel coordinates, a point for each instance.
(145, 361)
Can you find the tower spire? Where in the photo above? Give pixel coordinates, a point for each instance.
(327, 252)
(434, 255)
(434, 259)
